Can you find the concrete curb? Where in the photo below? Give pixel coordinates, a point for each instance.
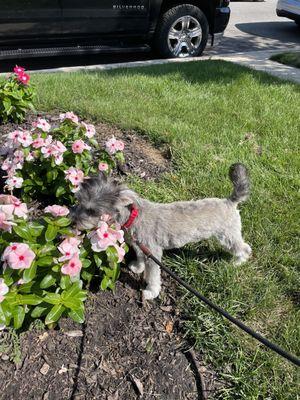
(258, 60)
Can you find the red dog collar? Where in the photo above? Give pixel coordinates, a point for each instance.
(133, 215)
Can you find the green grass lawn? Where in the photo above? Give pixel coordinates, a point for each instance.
(213, 114)
(291, 58)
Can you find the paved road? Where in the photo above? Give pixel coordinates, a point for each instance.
(253, 26)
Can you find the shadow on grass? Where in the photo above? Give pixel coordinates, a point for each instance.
(201, 73)
(203, 254)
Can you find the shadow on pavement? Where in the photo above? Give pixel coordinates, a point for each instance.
(285, 31)
(70, 61)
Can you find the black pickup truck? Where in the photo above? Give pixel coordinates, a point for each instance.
(174, 28)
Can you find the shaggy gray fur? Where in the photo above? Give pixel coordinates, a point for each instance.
(166, 226)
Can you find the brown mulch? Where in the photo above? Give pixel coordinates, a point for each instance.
(126, 349)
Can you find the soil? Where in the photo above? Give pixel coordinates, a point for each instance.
(126, 349)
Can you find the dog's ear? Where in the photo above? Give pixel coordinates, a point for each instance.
(127, 197)
(102, 177)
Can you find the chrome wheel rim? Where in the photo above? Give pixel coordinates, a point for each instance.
(185, 36)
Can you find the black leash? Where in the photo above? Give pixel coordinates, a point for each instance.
(290, 357)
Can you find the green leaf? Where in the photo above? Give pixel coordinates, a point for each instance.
(60, 191)
(98, 260)
(65, 282)
(66, 231)
(63, 222)
(27, 182)
(112, 254)
(86, 263)
(30, 273)
(18, 316)
(47, 248)
(52, 298)
(51, 175)
(5, 314)
(71, 292)
(54, 314)
(27, 189)
(116, 272)
(87, 276)
(51, 233)
(46, 261)
(74, 303)
(26, 287)
(39, 310)
(47, 281)
(105, 282)
(23, 232)
(49, 220)
(35, 229)
(29, 299)
(77, 315)
(120, 157)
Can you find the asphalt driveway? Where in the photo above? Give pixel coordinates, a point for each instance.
(253, 26)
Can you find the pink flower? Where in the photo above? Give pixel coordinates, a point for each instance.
(57, 211)
(89, 130)
(104, 236)
(8, 210)
(113, 145)
(18, 256)
(105, 217)
(69, 248)
(103, 166)
(14, 136)
(55, 149)
(74, 175)
(118, 234)
(25, 138)
(121, 252)
(42, 124)
(79, 146)
(69, 115)
(3, 289)
(38, 142)
(59, 146)
(48, 151)
(73, 267)
(18, 70)
(23, 78)
(5, 223)
(18, 159)
(8, 199)
(7, 164)
(11, 205)
(20, 210)
(59, 149)
(14, 182)
(30, 156)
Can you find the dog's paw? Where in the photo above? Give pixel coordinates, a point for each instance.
(150, 294)
(137, 267)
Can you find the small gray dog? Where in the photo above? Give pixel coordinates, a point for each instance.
(165, 226)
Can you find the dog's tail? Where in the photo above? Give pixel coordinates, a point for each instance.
(238, 175)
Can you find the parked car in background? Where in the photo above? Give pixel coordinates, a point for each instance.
(289, 9)
(174, 28)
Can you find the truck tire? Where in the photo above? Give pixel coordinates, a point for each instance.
(182, 31)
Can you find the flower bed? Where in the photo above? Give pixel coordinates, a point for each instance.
(46, 263)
